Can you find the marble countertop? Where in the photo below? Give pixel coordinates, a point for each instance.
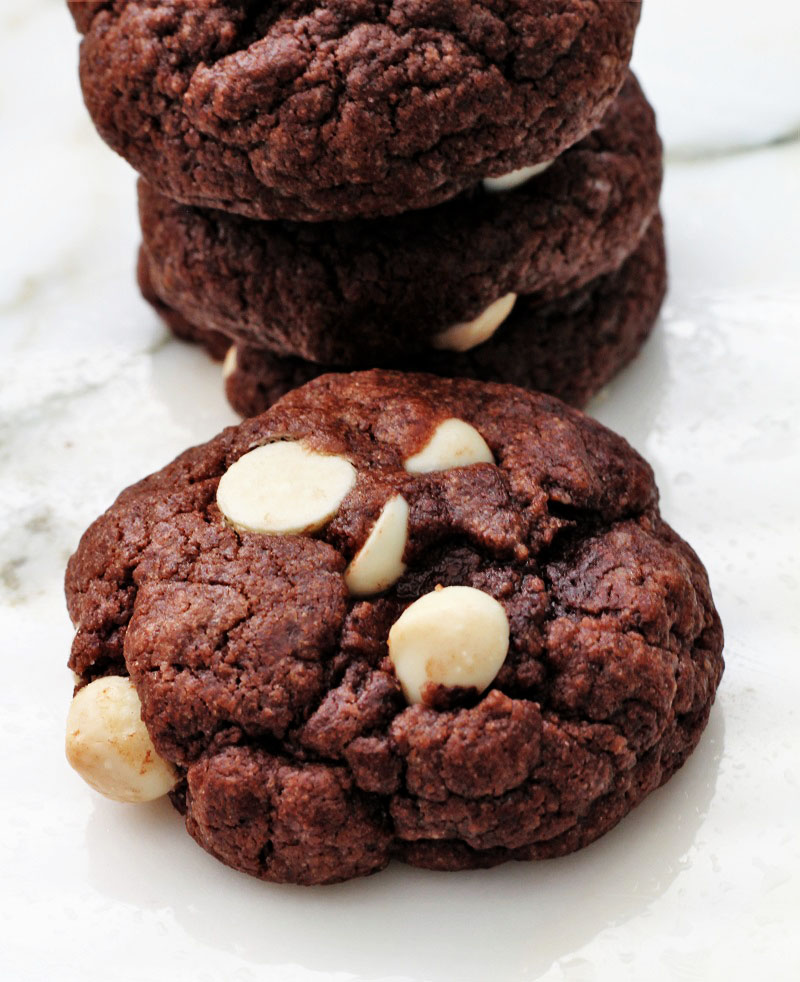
(703, 880)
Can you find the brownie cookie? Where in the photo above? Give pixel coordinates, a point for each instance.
(396, 615)
(314, 111)
(337, 292)
(569, 348)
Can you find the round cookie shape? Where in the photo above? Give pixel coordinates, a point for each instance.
(313, 111)
(277, 694)
(341, 292)
(570, 347)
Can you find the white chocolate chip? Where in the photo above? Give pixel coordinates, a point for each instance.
(229, 365)
(456, 636)
(284, 489)
(109, 746)
(516, 178)
(463, 337)
(454, 444)
(379, 562)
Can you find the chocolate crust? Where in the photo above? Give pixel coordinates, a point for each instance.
(314, 111)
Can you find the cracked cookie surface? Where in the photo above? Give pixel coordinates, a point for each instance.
(338, 292)
(273, 691)
(569, 347)
(310, 111)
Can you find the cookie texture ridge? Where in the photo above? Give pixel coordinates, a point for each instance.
(312, 111)
(570, 347)
(338, 292)
(270, 687)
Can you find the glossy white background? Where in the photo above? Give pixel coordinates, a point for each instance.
(703, 880)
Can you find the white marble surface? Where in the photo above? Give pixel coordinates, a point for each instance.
(702, 881)
(725, 74)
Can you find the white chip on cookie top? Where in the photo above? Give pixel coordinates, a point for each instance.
(453, 444)
(230, 364)
(456, 636)
(284, 488)
(468, 335)
(515, 178)
(109, 746)
(379, 562)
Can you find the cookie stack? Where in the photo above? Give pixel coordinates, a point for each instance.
(461, 188)
(394, 615)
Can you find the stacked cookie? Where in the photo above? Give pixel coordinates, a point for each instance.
(461, 188)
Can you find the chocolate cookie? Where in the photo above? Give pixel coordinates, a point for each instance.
(395, 615)
(313, 111)
(569, 348)
(334, 293)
